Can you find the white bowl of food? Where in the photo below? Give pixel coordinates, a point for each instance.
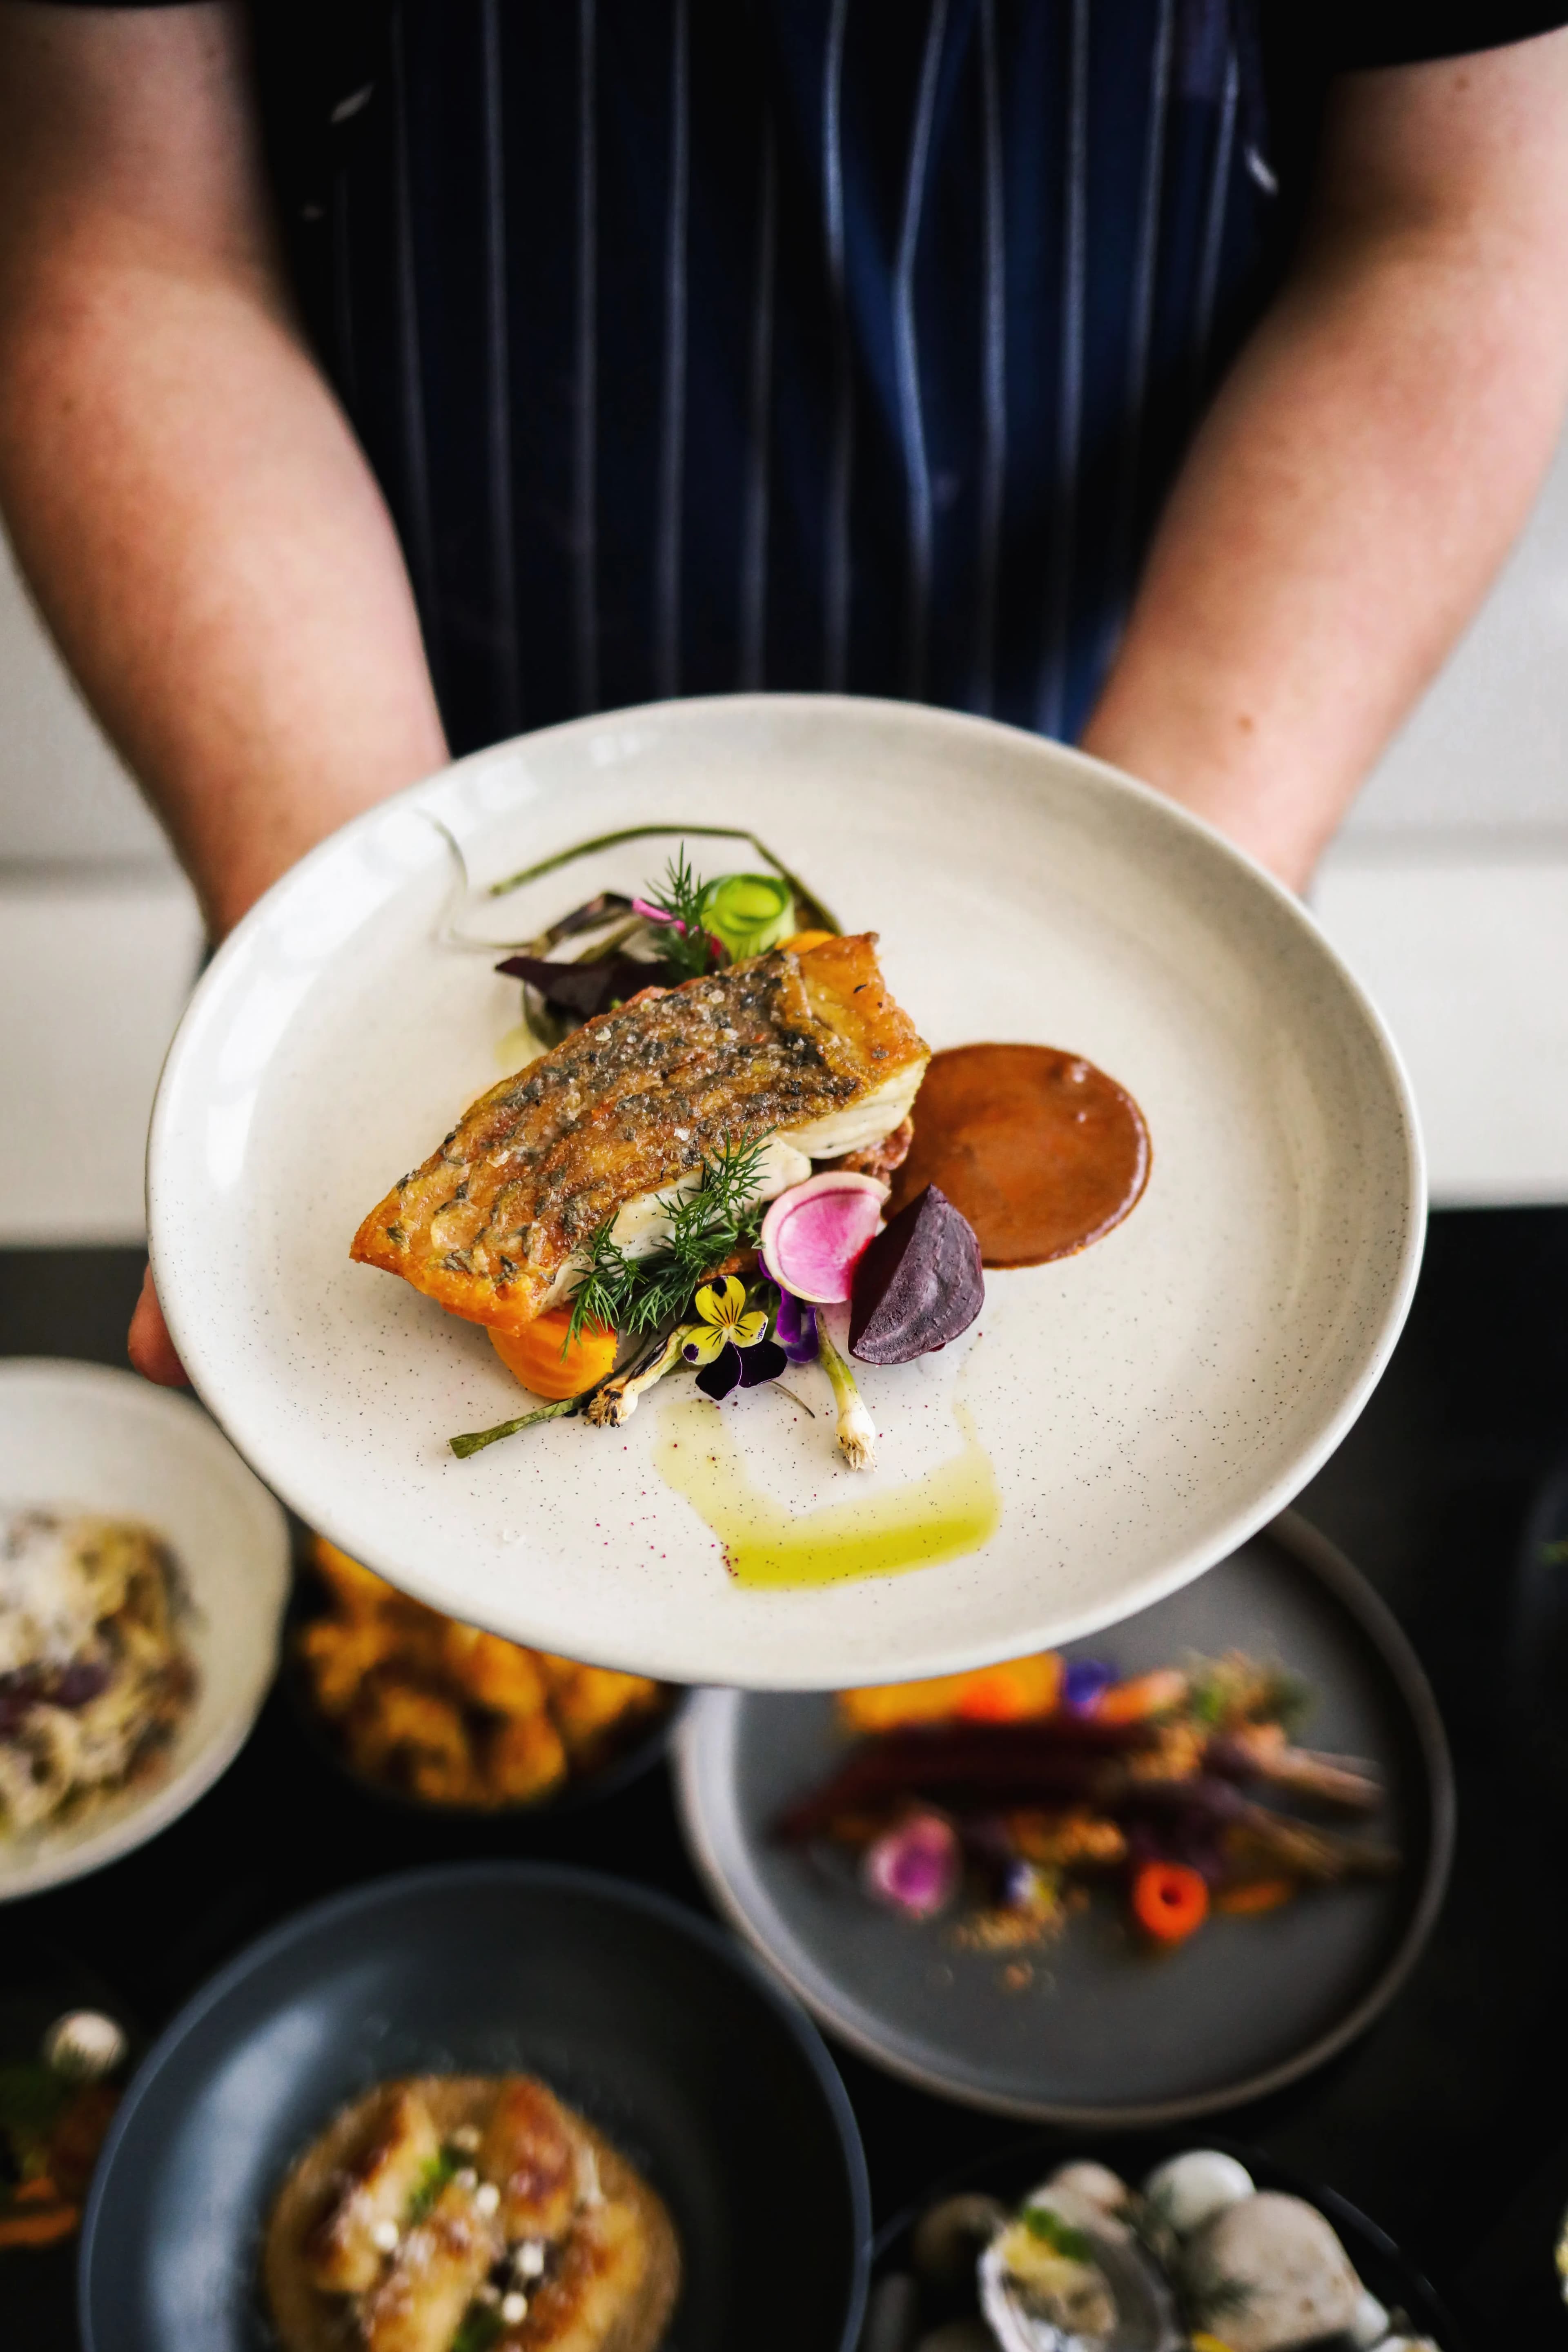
(144, 1571)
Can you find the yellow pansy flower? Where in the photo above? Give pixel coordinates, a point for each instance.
(725, 1321)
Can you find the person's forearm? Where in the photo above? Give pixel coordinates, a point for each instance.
(1345, 504)
(200, 529)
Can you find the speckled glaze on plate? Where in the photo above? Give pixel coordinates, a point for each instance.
(1104, 2032)
(1144, 1406)
(104, 1441)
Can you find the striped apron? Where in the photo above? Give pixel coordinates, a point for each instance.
(709, 344)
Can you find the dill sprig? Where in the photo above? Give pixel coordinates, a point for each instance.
(636, 1296)
(685, 941)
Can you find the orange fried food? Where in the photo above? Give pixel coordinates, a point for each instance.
(493, 1671)
(524, 1760)
(448, 1713)
(424, 1733)
(589, 1703)
(339, 1653)
(628, 1106)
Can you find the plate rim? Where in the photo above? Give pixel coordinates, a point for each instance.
(168, 1801)
(273, 1463)
(1312, 1550)
(391, 1888)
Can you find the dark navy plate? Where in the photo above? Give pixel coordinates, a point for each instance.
(646, 2018)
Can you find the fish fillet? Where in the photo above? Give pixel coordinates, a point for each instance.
(809, 1051)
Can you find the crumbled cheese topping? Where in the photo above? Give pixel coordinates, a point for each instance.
(52, 1591)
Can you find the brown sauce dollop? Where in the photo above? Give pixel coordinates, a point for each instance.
(1042, 1151)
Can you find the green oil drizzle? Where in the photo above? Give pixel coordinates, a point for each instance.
(951, 1511)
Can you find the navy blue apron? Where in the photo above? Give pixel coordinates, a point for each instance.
(851, 344)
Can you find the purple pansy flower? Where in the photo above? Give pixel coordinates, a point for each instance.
(795, 1325)
(731, 1343)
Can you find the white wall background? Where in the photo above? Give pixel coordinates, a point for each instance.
(64, 796)
(1447, 890)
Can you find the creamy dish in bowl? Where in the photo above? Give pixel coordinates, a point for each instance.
(95, 1674)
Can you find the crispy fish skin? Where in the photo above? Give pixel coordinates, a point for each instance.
(629, 1105)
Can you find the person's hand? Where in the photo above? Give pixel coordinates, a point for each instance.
(151, 1349)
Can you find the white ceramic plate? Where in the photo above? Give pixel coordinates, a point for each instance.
(1143, 1406)
(81, 1435)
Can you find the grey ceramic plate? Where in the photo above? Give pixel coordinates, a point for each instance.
(1101, 2033)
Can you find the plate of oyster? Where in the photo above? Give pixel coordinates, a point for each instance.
(1206, 2253)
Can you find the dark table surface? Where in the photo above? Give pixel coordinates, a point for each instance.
(1448, 2123)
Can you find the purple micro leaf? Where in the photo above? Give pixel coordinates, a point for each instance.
(585, 989)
